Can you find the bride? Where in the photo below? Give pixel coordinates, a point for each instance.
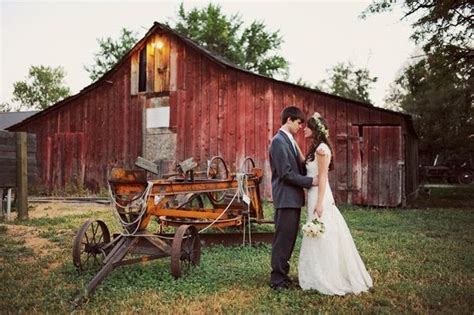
(328, 263)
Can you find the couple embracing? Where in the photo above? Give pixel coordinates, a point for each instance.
(329, 263)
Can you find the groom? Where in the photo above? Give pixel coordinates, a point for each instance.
(288, 181)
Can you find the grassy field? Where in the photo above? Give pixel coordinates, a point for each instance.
(421, 259)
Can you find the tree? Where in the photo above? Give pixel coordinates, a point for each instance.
(347, 81)
(43, 87)
(440, 102)
(252, 48)
(5, 107)
(110, 52)
(437, 89)
(444, 23)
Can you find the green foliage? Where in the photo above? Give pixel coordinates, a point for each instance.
(436, 23)
(43, 87)
(437, 89)
(253, 47)
(307, 84)
(110, 52)
(5, 107)
(439, 99)
(347, 81)
(419, 258)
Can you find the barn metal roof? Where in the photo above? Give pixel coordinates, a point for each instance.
(11, 118)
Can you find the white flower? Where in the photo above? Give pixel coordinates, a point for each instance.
(313, 228)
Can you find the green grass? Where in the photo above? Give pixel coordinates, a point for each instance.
(421, 260)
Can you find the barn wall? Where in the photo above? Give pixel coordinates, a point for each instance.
(234, 114)
(81, 140)
(214, 110)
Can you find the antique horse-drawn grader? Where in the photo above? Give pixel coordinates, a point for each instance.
(189, 200)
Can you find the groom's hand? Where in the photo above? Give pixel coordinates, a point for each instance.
(315, 180)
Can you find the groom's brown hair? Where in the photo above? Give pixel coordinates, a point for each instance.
(293, 113)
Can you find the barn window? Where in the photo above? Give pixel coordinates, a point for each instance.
(142, 71)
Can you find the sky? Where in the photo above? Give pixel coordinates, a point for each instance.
(317, 35)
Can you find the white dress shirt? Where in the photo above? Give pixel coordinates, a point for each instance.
(292, 140)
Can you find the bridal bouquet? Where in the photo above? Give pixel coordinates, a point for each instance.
(313, 228)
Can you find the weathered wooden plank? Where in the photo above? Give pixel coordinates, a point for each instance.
(260, 124)
(241, 118)
(364, 115)
(181, 107)
(249, 129)
(221, 113)
(278, 106)
(386, 166)
(134, 67)
(213, 112)
(233, 119)
(342, 139)
(269, 133)
(396, 158)
(374, 169)
(331, 116)
(22, 176)
(173, 67)
(201, 113)
(356, 167)
(162, 63)
(150, 65)
(182, 63)
(188, 112)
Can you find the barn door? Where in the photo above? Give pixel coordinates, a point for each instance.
(66, 160)
(382, 166)
(355, 167)
(377, 169)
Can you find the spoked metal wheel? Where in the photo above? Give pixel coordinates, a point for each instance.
(247, 165)
(87, 250)
(217, 169)
(185, 250)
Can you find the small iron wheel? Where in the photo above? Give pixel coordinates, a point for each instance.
(217, 169)
(185, 250)
(88, 244)
(247, 165)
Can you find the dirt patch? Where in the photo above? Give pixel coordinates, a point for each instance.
(30, 235)
(60, 209)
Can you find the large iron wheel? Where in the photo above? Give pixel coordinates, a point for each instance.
(217, 169)
(87, 250)
(185, 250)
(191, 201)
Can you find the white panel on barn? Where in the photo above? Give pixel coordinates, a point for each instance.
(158, 117)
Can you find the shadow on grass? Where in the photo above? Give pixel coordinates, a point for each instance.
(445, 196)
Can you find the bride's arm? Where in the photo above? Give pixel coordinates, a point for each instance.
(323, 168)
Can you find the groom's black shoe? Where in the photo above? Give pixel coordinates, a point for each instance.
(279, 287)
(291, 284)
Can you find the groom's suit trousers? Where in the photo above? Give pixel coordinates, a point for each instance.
(286, 231)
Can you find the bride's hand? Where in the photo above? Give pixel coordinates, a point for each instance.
(318, 211)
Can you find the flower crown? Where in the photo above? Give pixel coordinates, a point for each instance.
(319, 125)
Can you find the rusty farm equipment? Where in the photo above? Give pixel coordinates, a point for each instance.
(177, 200)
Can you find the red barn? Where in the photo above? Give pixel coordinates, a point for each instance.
(170, 99)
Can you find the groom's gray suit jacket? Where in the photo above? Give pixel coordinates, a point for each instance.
(288, 172)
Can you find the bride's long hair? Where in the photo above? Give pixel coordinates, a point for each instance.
(319, 136)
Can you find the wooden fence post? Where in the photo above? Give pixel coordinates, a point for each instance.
(22, 175)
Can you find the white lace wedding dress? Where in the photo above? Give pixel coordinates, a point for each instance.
(330, 262)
